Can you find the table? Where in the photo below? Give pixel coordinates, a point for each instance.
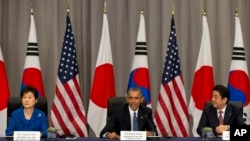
(103, 139)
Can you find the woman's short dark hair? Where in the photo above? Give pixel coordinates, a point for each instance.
(29, 89)
(223, 91)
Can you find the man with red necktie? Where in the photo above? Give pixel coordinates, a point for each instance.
(220, 115)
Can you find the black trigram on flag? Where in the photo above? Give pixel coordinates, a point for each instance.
(238, 53)
(32, 49)
(141, 48)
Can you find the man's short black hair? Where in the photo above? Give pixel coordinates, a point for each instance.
(223, 91)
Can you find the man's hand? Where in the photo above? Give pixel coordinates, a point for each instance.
(219, 129)
(150, 133)
(112, 135)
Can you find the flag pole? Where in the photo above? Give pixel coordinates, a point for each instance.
(31, 8)
(68, 7)
(105, 7)
(204, 12)
(142, 10)
(236, 12)
(173, 8)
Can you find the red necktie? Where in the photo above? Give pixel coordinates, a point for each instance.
(220, 118)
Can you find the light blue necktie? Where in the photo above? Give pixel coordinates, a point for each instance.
(135, 123)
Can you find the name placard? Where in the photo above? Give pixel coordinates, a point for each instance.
(26, 136)
(133, 135)
(226, 135)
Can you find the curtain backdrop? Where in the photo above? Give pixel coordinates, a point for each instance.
(123, 18)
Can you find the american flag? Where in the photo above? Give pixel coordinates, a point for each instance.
(171, 115)
(68, 114)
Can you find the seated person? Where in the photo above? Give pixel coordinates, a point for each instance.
(28, 117)
(122, 118)
(211, 116)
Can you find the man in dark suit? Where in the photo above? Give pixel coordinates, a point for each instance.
(122, 118)
(220, 115)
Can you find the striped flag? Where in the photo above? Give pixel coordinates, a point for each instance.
(203, 81)
(32, 74)
(4, 94)
(67, 112)
(238, 83)
(139, 76)
(171, 115)
(103, 85)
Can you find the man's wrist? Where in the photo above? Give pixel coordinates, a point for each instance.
(228, 127)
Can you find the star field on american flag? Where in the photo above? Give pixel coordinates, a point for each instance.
(68, 64)
(172, 61)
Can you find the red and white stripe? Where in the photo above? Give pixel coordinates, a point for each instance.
(170, 117)
(68, 113)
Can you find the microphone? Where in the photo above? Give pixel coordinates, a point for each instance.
(154, 137)
(151, 125)
(154, 130)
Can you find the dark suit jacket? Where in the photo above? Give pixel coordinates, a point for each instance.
(120, 120)
(209, 118)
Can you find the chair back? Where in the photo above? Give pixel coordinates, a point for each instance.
(114, 102)
(16, 102)
(234, 103)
